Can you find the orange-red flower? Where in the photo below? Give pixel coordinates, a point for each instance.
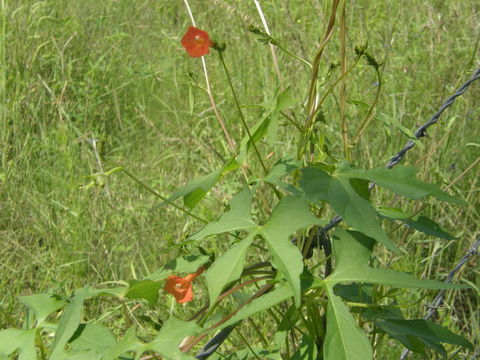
(180, 287)
(196, 42)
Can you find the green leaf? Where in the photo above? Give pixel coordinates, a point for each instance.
(428, 226)
(318, 185)
(236, 218)
(285, 99)
(290, 215)
(92, 337)
(144, 289)
(23, 341)
(170, 335)
(282, 168)
(42, 305)
(352, 252)
(267, 126)
(69, 322)
(307, 350)
(129, 343)
(260, 304)
(195, 190)
(400, 179)
(183, 264)
(417, 222)
(226, 269)
(82, 355)
(392, 122)
(344, 339)
(428, 332)
(259, 130)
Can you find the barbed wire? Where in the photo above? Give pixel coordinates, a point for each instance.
(421, 132)
(437, 302)
(220, 337)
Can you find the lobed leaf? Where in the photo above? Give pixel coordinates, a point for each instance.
(21, 341)
(260, 304)
(42, 305)
(170, 335)
(400, 179)
(344, 339)
(237, 217)
(227, 268)
(69, 322)
(318, 185)
(290, 215)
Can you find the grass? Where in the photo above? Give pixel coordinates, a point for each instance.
(114, 71)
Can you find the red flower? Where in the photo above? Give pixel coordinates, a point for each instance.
(196, 42)
(180, 287)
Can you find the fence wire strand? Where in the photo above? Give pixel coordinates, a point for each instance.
(438, 301)
(421, 132)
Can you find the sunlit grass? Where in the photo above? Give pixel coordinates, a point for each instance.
(114, 71)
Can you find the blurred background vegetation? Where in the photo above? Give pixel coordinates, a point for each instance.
(112, 74)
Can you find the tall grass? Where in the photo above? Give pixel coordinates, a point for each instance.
(113, 71)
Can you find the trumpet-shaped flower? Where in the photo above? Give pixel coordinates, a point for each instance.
(196, 42)
(181, 287)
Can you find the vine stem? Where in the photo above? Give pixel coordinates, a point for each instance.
(368, 119)
(163, 198)
(316, 64)
(242, 117)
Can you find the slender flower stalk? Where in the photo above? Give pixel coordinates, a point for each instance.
(242, 117)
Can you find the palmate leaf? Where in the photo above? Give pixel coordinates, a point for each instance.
(90, 340)
(21, 341)
(263, 303)
(425, 331)
(196, 189)
(170, 335)
(129, 343)
(42, 305)
(238, 217)
(338, 191)
(344, 339)
(69, 322)
(352, 251)
(400, 180)
(226, 269)
(290, 215)
(417, 222)
(345, 192)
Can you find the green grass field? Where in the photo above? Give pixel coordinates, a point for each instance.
(114, 71)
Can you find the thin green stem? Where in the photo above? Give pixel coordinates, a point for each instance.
(242, 117)
(316, 64)
(293, 55)
(247, 343)
(163, 198)
(307, 130)
(368, 118)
